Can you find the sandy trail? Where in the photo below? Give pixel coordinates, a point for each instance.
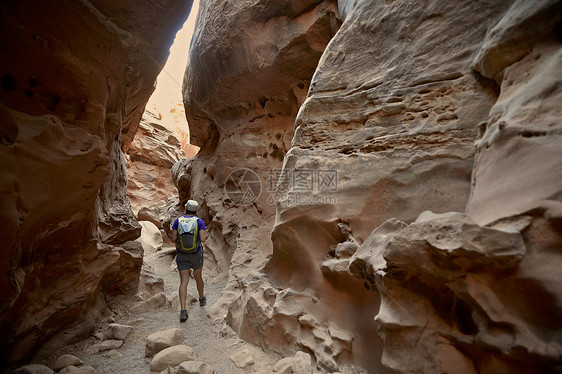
(213, 343)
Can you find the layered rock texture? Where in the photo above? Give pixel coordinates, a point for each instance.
(152, 154)
(250, 67)
(75, 78)
(417, 222)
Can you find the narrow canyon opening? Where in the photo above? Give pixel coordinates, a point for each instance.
(380, 181)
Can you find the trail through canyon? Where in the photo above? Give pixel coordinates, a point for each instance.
(213, 343)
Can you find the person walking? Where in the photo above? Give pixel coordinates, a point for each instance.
(189, 232)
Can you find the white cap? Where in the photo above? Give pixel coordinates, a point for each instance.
(191, 205)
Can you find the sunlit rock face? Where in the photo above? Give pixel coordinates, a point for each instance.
(480, 292)
(449, 107)
(388, 131)
(152, 154)
(249, 70)
(75, 78)
(447, 113)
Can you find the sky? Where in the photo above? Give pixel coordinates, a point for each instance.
(168, 88)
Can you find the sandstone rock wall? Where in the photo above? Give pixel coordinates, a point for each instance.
(249, 70)
(152, 154)
(75, 78)
(447, 107)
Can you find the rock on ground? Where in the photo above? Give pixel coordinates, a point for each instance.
(194, 367)
(109, 344)
(34, 369)
(172, 356)
(66, 360)
(120, 332)
(302, 363)
(154, 302)
(284, 366)
(242, 359)
(160, 340)
(78, 370)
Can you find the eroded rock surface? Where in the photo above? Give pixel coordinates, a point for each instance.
(153, 152)
(250, 67)
(75, 78)
(411, 109)
(387, 130)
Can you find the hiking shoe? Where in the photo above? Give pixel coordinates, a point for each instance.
(183, 315)
(203, 301)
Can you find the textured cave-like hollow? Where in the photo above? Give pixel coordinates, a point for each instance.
(75, 77)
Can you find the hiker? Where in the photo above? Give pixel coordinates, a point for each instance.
(189, 252)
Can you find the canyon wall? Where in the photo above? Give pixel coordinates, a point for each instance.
(152, 153)
(74, 82)
(417, 215)
(249, 69)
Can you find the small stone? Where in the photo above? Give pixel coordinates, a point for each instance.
(284, 366)
(120, 332)
(194, 367)
(135, 322)
(93, 349)
(242, 359)
(110, 344)
(172, 356)
(302, 363)
(78, 370)
(113, 354)
(153, 303)
(163, 339)
(67, 360)
(34, 369)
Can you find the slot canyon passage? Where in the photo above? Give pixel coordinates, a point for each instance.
(381, 181)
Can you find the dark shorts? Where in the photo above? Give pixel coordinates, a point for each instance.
(189, 260)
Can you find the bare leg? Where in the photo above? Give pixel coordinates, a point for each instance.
(184, 281)
(198, 275)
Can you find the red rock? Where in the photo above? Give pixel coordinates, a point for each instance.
(74, 85)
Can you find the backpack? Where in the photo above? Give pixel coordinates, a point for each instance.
(188, 235)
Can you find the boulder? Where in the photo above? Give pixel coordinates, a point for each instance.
(154, 302)
(284, 366)
(113, 354)
(34, 369)
(67, 360)
(120, 332)
(194, 367)
(109, 345)
(148, 214)
(151, 238)
(172, 356)
(302, 363)
(149, 283)
(447, 283)
(78, 370)
(160, 340)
